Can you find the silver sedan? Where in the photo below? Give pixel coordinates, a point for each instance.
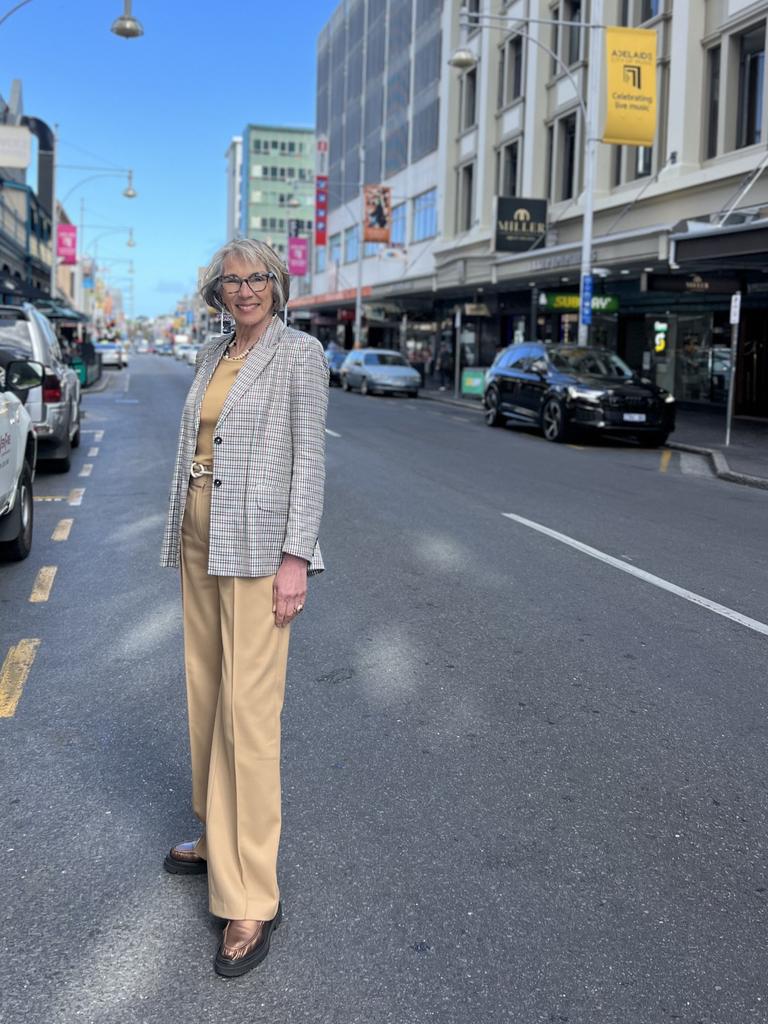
(379, 371)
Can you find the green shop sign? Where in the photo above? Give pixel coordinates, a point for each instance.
(472, 382)
(560, 302)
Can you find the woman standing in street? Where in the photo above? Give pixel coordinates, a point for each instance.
(245, 508)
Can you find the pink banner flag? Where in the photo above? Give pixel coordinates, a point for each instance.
(66, 247)
(298, 256)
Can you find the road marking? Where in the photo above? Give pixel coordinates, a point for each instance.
(666, 456)
(98, 435)
(50, 497)
(62, 529)
(14, 674)
(332, 432)
(576, 447)
(76, 496)
(41, 591)
(647, 577)
(86, 470)
(93, 452)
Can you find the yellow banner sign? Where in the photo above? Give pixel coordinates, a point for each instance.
(631, 86)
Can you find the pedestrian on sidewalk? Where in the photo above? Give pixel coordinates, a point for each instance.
(245, 508)
(445, 365)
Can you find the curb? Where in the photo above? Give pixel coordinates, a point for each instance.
(720, 466)
(717, 460)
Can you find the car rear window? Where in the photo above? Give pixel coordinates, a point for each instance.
(384, 359)
(15, 333)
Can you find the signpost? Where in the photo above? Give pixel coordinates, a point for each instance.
(587, 294)
(735, 319)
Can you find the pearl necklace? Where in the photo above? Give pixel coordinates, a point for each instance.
(234, 359)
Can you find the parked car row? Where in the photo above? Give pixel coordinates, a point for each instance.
(39, 417)
(374, 371)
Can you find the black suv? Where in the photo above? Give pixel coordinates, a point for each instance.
(562, 387)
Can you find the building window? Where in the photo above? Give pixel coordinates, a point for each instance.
(501, 89)
(351, 244)
(649, 9)
(320, 253)
(466, 197)
(643, 161)
(334, 247)
(751, 71)
(291, 147)
(372, 248)
(510, 72)
(397, 225)
(275, 144)
(550, 159)
(506, 184)
(425, 215)
(257, 145)
(568, 157)
(469, 100)
(713, 106)
(554, 43)
(572, 12)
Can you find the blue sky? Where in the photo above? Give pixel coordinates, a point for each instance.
(166, 105)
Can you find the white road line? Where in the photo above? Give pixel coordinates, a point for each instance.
(98, 435)
(93, 452)
(332, 432)
(647, 577)
(86, 470)
(76, 496)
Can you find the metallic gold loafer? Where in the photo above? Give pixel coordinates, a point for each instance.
(182, 860)
(233, 960)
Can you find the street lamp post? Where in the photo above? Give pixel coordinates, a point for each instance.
(464, 59)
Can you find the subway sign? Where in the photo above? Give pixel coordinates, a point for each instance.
(561, 302)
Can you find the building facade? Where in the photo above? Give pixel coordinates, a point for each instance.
(678, 227)
(276, 184)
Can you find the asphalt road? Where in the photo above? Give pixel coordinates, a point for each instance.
(520, 784)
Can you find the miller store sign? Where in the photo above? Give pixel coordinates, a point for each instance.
(521, 224)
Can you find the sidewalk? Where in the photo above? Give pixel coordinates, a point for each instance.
(698, 430)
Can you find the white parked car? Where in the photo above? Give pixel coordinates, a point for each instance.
(180, 351)
(18, 456)
(112, 354)
(55, 406)
(190, 356)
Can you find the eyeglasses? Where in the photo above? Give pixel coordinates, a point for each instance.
(232, 284)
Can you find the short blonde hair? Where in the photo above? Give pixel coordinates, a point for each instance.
(251, 250)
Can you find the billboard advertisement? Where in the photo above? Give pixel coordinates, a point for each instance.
(631, 86)
(378, 210)
(66, 243)
(298, 256)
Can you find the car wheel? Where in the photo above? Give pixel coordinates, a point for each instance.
(18, 549)
(364, 389)
(344, 384)
(655, 440)
(492, 415)
(553, 421)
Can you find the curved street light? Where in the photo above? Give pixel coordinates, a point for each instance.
(126, 25)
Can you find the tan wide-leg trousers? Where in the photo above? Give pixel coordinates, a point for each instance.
(235, 661)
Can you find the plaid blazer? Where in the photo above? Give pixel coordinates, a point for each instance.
(268, 456)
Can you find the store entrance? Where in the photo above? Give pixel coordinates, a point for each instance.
(751, 397)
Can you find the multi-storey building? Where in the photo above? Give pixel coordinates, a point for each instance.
(276, 184)
(678, 226)
(234, 157)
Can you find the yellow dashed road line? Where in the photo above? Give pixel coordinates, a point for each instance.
(41, 591)
(86, 470)
(666, 455)
(50, 497)
(62, 529)
(93, 452)
(14, 674)
(76, 496)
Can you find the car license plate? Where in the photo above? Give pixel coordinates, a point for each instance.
(634, 417)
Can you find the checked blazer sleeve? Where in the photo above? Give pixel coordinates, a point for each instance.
(308, 408)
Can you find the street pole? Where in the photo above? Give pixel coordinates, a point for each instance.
(457, 353)
(361, 233)
(590, 169)
(735, 318)
(54, 219)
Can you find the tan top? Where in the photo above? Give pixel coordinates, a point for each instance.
(215, 396)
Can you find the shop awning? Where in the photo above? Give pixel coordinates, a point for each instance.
(741, 246)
